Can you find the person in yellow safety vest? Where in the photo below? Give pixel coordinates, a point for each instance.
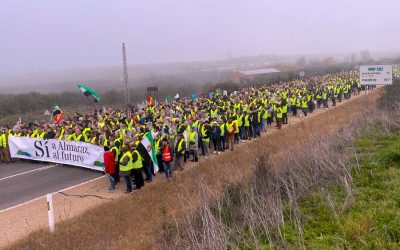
(179, 150)
(346, 91)
(247, 132)
(213, 112)
(137, 165)
(2, 145)
(41, 133)
(279, 117)
(240, 119)
(230, 132)
(79, 136)
(325, 98)
(304, 106)
(5, 151)
(117, 154)
(125, 167)
(236, 135)
(193, 143)
(222, 137)
(298, 104)
(205, 138)
(284, 106)
(333, 96)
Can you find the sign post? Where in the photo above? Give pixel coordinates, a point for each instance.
(375, 75)
(50, 211)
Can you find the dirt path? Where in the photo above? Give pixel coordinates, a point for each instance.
(134, 221)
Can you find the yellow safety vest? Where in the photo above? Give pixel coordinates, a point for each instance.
(116, 154)
(237, 127)
(246, 121)
(279, 113)
(240, 121)
(204, 134)
(192, 137)
(3, 141)
(180, 145)
(129, 166)
(138, 163)
(229, 127)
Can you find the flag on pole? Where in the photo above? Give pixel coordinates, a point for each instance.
(176, 97)
(194, 96)
(167, 100)
(150, 100)
(148, 143)
(58, 114)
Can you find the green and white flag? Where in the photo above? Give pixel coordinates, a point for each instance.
(148, 143)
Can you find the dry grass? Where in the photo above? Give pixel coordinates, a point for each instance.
(254, 212)
(152, 219)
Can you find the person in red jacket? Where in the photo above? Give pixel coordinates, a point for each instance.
(166, 158)
(109, 166)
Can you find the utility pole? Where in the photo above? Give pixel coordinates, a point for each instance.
(125, 76)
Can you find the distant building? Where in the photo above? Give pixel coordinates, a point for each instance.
(237, 76)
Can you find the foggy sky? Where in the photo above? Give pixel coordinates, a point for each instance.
(45, 35)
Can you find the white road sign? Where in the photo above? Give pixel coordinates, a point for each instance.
(376, 75)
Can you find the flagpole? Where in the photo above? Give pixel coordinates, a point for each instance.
(91, 103)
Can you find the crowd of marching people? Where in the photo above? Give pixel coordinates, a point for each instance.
(187, 128)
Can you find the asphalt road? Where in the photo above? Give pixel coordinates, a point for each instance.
(24, 181)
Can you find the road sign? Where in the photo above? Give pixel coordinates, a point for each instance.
(376, 75)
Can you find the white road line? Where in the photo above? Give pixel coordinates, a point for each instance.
(30, 171)
(44, 196)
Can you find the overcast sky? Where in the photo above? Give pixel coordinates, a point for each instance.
(45, 35)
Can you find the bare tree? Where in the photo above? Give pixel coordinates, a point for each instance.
(365, 56)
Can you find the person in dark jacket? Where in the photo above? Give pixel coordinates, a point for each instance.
(215, 136)
(50, 134)
(147, 162)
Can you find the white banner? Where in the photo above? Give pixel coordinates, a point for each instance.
(73, 153)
